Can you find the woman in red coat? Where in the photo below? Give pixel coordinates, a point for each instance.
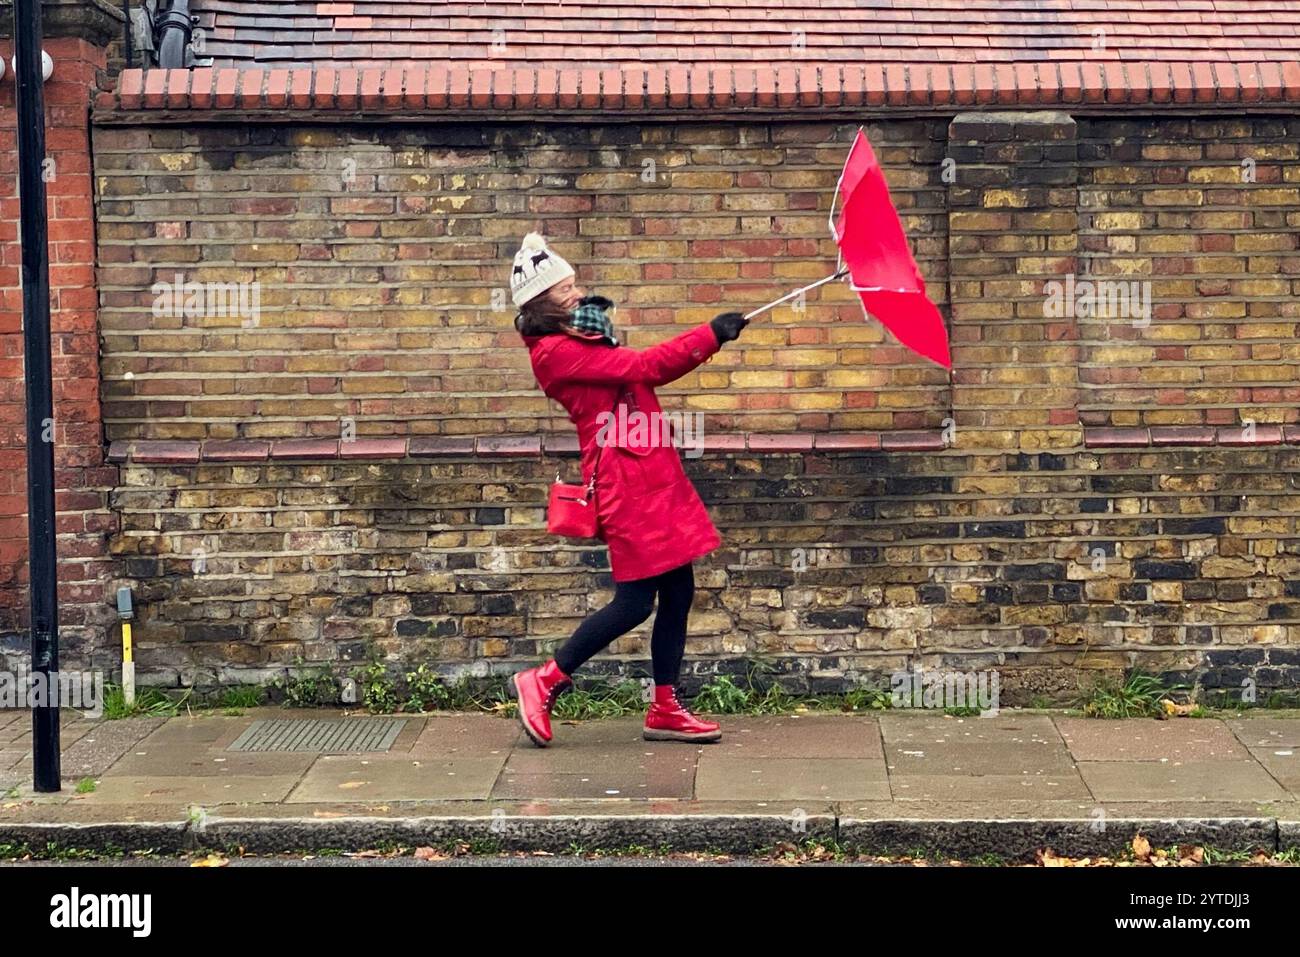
(650, 515)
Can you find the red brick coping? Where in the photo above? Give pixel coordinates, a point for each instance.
(150, 452)
(1224, 435)
(718, 87)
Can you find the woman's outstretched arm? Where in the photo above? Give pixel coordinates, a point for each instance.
(571, 360)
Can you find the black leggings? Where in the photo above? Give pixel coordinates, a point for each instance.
(632, 604)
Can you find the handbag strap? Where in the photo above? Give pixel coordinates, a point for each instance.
(599, 448)
(618, 398)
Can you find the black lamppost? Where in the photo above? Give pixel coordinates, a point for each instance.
(40, 394)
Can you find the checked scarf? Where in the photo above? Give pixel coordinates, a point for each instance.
(591, 315)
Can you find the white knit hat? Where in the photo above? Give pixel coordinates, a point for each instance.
(537, 268)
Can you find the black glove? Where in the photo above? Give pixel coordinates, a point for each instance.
(728, 325)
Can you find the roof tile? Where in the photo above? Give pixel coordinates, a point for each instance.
(461, 85)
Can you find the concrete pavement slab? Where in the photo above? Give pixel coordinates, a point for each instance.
(100, 747)
(1004, 728)
(789, 779)
(609, 783)
(1283, 764)
(75, 810)
(397, 777)
(179, 759)
(191, 789)
(1186, 781)
(1266, 732)
(1186, 739)
(595, 759)
(72, 726)
(979, 758)
(988, 787)
(799, 736)
(18, 787)
(202, 731)
(11, 756)
(465, 733)
(96, 750)
(614, 745)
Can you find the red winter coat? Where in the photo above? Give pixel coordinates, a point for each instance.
(650, 515)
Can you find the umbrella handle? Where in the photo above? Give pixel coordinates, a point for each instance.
(840, 274)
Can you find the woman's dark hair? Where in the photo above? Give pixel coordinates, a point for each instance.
(540, 316)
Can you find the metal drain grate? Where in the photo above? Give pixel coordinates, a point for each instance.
(319, 734)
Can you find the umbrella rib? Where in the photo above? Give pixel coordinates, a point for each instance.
(839, 274)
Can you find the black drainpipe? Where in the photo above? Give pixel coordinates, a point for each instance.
(174, 35)
(126, 11)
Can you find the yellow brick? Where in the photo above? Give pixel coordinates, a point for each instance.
(1261, 151)
(1273, 197)
(1046, 221)
(1000, 198)
(976, 221)
(1264, 242)
(1163, 151)
(366, 385)
(1216, 264)
(657, 251)
(856, 378)
(1120, 174)
(1263, 287)
(1215, 174)
(608, 181)
(713, 402)
(715, 271)
(1178, 243)
(175, 162)
(760, 380)
(803, 179)
(808, 357)
(1105, 221)
(1173, 197)
(1213, 220)
(817, 400)
(680, 179)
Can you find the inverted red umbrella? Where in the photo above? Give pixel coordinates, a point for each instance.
(874, 255)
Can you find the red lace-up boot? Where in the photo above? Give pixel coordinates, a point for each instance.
(668, 720)
(536, 689)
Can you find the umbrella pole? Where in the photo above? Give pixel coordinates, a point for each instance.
(776, 302)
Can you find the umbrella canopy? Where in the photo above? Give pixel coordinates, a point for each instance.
(874, 250)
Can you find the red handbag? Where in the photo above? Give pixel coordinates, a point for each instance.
(571, 509)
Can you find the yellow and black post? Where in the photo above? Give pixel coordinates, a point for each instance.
(126, 611)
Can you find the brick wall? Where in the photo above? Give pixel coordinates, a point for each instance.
(1207, 211)
(1108, 491)
(83, 477)
(377, 254)
(378, 251)
(840, 566)
(1013, 226)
